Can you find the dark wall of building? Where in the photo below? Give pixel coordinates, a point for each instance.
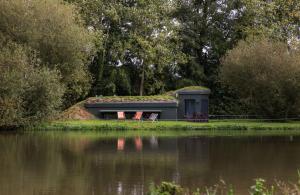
(200, 102)
(167, 111)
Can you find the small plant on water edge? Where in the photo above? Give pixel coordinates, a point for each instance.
(289, 188)
(165, 188)
(260, 188)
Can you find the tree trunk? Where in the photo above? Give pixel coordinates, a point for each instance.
(142, 82)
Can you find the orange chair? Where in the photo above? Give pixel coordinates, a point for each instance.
(138, 116)
(121, 116)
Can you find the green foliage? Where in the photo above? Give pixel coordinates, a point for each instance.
(152, 46)
(189, 88)
(43, 96)
(276, 19)
(260, 188)
(154, 98)
(28, 92)
(54, 31)
(265, 76)
(209, 29)
(165, 188)
(140, 40)
(242, 127)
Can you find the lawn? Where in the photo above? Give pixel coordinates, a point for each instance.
(242, 127)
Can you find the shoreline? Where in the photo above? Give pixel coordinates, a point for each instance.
(172, 128)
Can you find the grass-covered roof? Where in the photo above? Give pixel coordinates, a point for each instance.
(193, 88)
(131, 99)
(167, 97)
(189, 88)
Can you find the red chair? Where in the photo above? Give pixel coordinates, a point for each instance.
(138, 116)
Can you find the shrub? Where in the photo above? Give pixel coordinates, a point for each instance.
(53, 29)
(28, 91)
(166, 188)
(266, 77)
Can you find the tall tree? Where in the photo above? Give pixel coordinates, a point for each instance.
(140, 40)
(209, 29)
(275, 19)
(55, 31)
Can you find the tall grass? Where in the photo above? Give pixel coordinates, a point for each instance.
(113, 125)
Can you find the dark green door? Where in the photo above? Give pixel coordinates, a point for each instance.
(189, 107)
(204, 106)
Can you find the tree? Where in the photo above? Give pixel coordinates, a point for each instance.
(29, 92)
(275, 19)
(209, 30)
(266, 77)
(140, 37)
(54, 30)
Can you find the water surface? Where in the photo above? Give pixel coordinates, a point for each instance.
(61, 164)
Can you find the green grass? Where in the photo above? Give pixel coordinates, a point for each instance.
(189, 88)
(176, 128)
(168, 96)
(131, 98)
(166, 133)
(193, 88)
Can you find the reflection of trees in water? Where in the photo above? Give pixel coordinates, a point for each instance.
(78, 166)
(62, 165)
(27, 165)
(132, 167)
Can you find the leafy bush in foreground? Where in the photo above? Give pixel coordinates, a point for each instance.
(259, 188)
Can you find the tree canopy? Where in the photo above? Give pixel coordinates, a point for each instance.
(266, 76)
(140, 42)
(54, 30)
(79, 48)
(44, 51)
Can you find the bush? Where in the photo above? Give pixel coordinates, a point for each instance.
(166, 188)
(266, 77)
(28, 91)
(53, 29)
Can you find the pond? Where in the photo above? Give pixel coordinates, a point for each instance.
(63, 164)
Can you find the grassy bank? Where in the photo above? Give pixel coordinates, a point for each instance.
(244, 126)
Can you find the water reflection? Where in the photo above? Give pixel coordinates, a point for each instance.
(121, 144)
(137, 142)
(61, 164)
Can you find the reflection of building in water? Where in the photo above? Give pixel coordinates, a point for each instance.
(137, 141)
(121, 144)
(88, 166)
(181, 159)
(153, 142)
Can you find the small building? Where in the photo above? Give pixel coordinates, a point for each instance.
(186, 103)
